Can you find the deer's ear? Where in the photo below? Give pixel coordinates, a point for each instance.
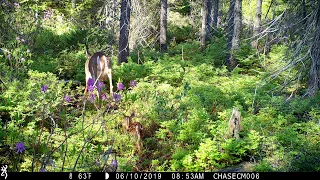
(88, 54)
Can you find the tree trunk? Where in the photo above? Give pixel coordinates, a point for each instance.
(230, 30)
(236, 32)
(215, 15)
(237, 24)
(124, 31)
(257, 23)
(209, 20)
(203, 36)
(314, 73)
(163, 25)
(234, 27)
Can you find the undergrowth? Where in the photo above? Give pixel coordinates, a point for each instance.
(183, 98)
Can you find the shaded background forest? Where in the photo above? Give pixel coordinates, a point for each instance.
(180, 65)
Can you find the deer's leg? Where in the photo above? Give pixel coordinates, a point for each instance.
(110, 81)
(85, 90)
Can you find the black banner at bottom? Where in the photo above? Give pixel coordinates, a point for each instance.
(155, 175)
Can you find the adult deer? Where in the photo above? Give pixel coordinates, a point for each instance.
(98, 67)
(135, 129)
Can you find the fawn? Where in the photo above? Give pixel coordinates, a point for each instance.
(135, 129)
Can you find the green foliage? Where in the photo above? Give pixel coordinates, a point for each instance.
(16, 58)
(181, 6)
(181, 103)
(130, 71)
(245, 57)
(207, 157)
(194, 129)
(23, 98)
(216, 50)
(50, 43)
(177, 34)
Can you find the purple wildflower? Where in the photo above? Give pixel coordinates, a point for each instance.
(67, 98)
(20, 147)
(91, 82)
(92, 97)
(17, 38)
(120, 86)
(44, 88)
(90, 88)
(116, 97)
(43, 169)
(9, 56)
(100, 85)
(114, 163)
(104, 97)
(133, 83)
(22, 40)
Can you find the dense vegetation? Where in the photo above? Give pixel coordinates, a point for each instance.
(183, 96)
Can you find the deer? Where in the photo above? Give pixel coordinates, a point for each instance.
(98, 67)
(135, 129)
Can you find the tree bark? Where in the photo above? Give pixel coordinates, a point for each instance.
(215, 15)
(314, 73)
(234, 30)
(209, 20)
(204, 12)
(124, 31)
(163, 25)
(230, 30)
(237, 24)
(257, 23)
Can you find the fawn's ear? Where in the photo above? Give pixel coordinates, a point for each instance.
(132, 114)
